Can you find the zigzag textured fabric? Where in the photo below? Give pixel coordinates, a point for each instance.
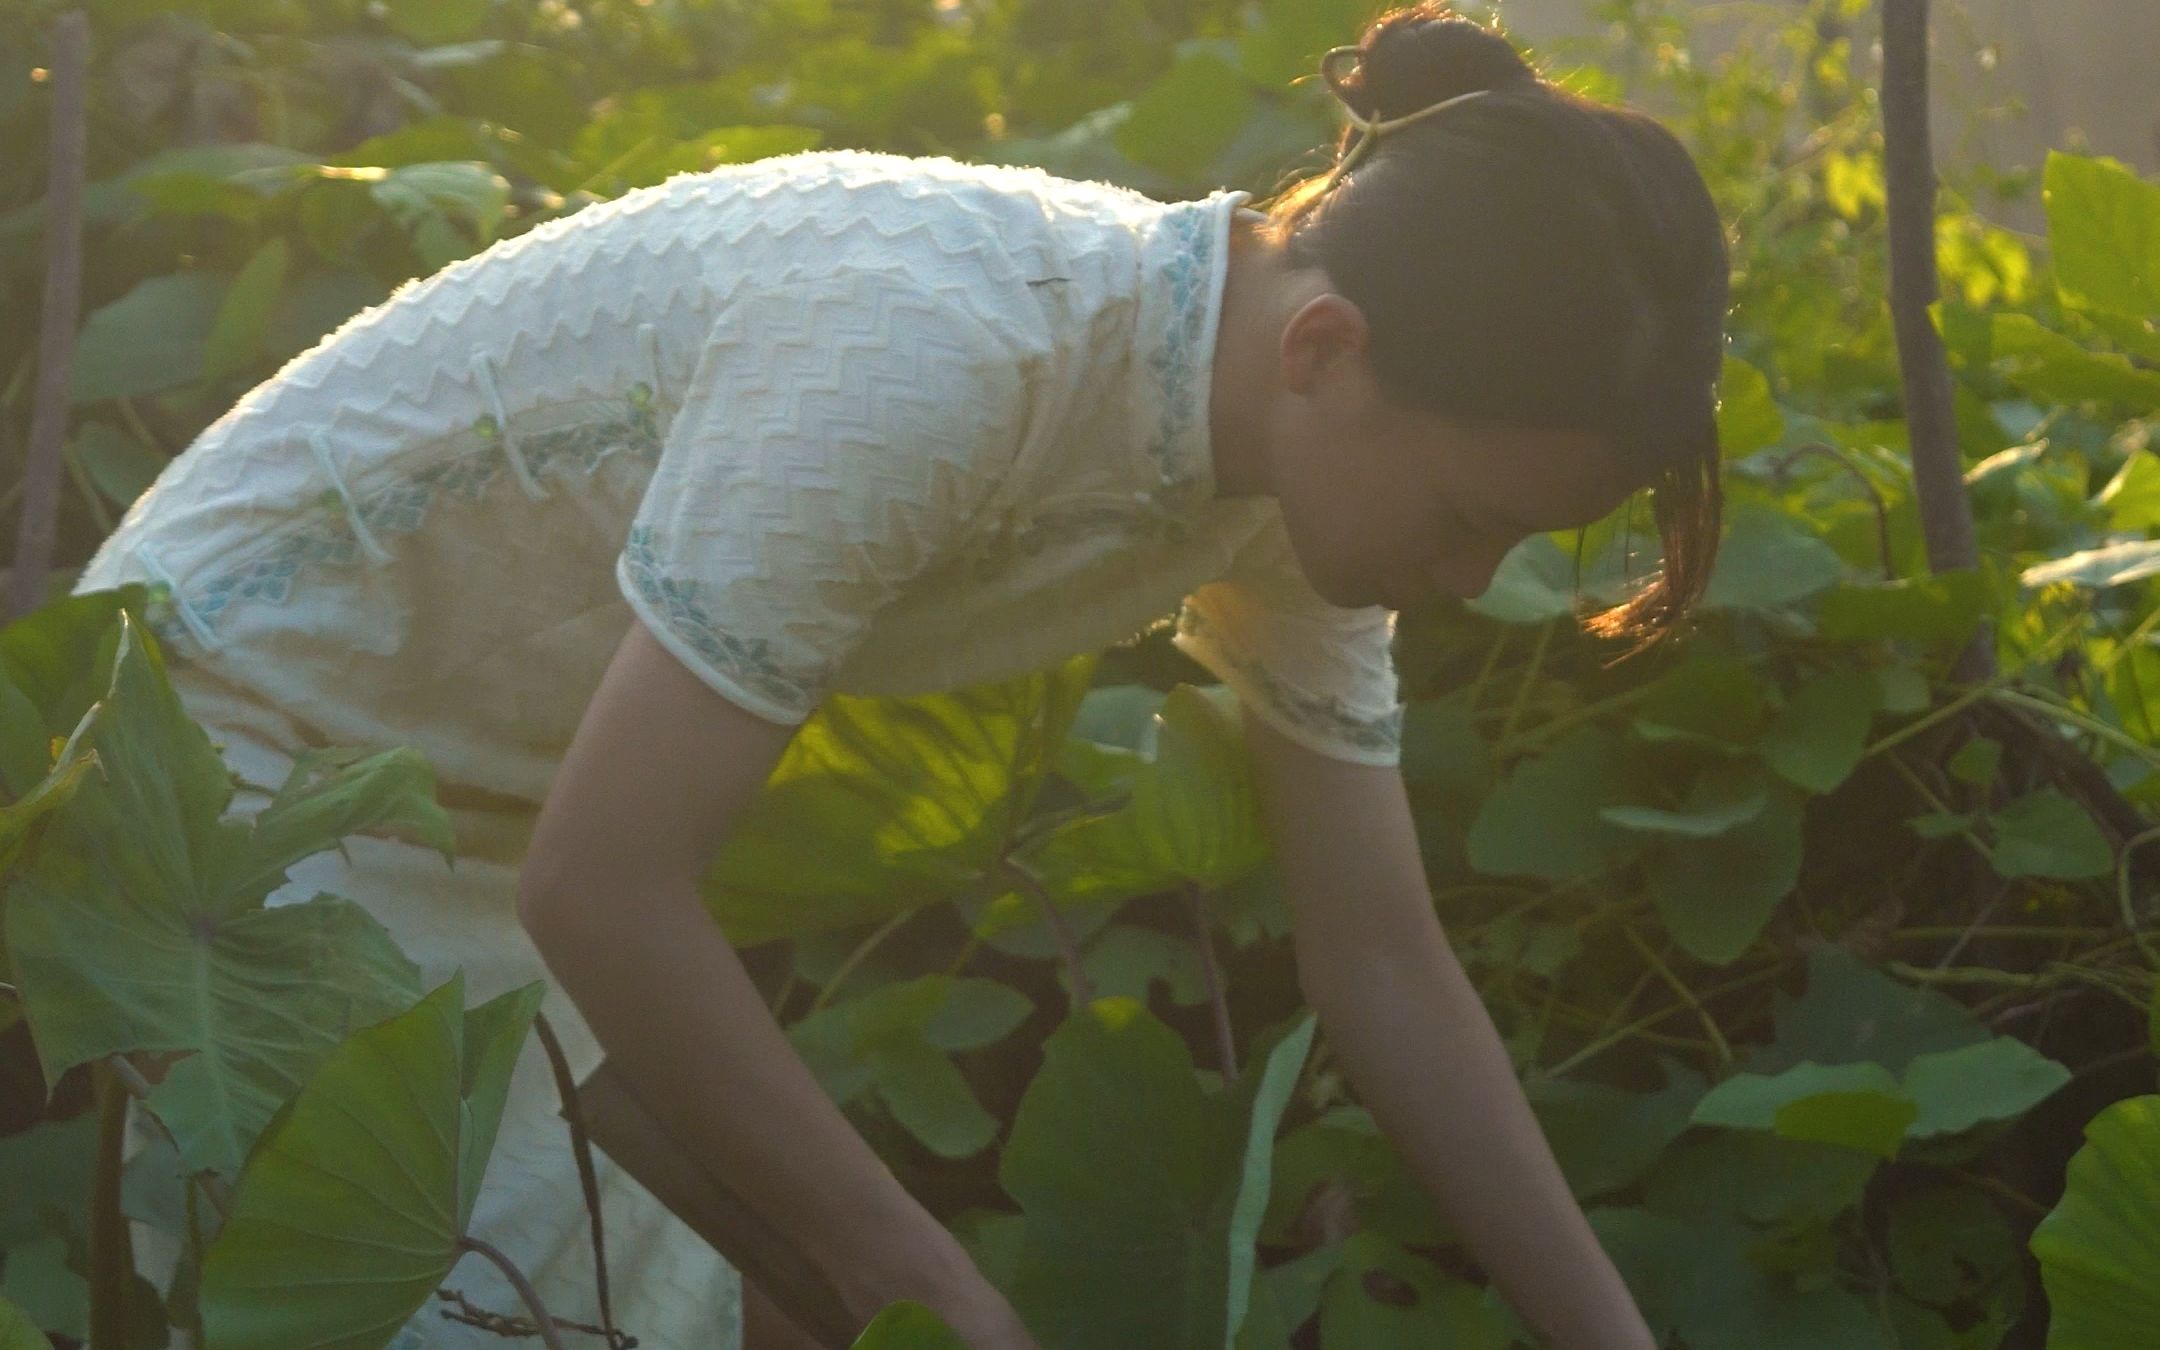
(832, 422)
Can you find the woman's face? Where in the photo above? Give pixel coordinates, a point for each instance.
(1386, 505)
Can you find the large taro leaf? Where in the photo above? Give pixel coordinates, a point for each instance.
(883, 805)
(895, 1041)
(2098, 1248)
(138, 922)
(370, 1172)
(1142, 1195)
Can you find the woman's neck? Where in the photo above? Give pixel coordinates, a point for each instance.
(1249, 331)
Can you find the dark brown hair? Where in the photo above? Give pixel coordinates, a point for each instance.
(1531, 257)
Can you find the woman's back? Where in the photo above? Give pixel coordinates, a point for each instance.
(410, 534)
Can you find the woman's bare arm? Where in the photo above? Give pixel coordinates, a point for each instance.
(1420, 1047)
(658, 773)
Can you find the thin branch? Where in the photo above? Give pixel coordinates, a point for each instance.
(38, 531)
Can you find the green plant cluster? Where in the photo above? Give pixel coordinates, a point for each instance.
(1834, 995)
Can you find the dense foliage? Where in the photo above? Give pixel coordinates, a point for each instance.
(1835, 1000)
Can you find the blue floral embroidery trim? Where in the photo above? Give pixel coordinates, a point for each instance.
(401, 505)
(1191, 266)
(748, 661)
(1326, 715)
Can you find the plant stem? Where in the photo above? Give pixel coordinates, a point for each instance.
(1225, 1041)
(545, 1324)
(857, 957)
(1931, 421)
(37, 531)
(112, 1260)
(1687, 995)
(1083, 991)
(581, 1149)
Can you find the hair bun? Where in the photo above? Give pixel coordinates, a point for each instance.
(1415, 57)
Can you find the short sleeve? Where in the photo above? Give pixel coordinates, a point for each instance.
(1321, 674)
(839, 432)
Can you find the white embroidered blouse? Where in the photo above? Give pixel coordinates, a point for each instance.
(829, 422)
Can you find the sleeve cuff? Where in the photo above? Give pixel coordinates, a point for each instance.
(1320, 724)
(689, 652)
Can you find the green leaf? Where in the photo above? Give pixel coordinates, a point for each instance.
(1546, 818)
(1858, 1106)
(139, 924)
(1715, 895)
(1976, 761)
(118, 465)
(1948, 1243)
(1700, 1278)
(371, 1172)
(1607, 1137)
(1265, 1095)
(18, 1332)
(2099, 1247)
(1851, 1012)
(1192, 817)
(235, 339)
(1534, 583)
(471, 192)
(1188, 116)
(1999, 1079)
(1748, 417)
(894, 1041)
(1284, 39)
(882, 805)
(908, 1325)
(2045, 834)
(1384, 1297)
(50, 1292)
(2052, 367)
(1941, 609)
(1759, 1178)
(1120, 715)
(2132, 497)
(2104, 233)
(49, 1169)
(1126, 960)
(1194, 810)
(431, 22)
(1724, 795)
(1711, 698)
(1817, 739)
(149, 339)
(1163, 1257)
(2099, 568)
(1769, 560)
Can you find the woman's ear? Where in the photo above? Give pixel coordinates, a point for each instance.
(1324, 332)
